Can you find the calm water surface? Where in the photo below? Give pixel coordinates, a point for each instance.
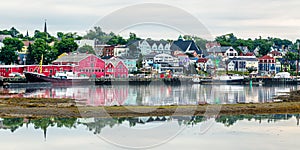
(168, 132)
(155, 94)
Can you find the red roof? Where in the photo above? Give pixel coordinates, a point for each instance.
(26, 43)
(202, 60)
(275, 53)
(266, 57)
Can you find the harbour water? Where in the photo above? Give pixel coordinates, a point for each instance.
(168, 132)
(156, 94)
(266, 131)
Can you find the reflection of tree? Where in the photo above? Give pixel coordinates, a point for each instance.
(229, 120)
(13, 123)
(99, 124)
(65, 122)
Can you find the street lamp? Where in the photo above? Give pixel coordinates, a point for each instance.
(24, 60)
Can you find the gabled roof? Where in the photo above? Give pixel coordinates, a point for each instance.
(114, 61)
(152, 42)
(184, 46)
(72, 58)
(275, 53)
(266, 57)
(244, 58)
(221, 49)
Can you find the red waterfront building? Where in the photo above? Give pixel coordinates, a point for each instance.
(5, 70)
(83, 64)
(116, 68)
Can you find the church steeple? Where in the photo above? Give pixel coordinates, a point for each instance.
(27, 35)
(45, 27)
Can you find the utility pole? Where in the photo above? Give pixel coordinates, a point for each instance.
(297, 60)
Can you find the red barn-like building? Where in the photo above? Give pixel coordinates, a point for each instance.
(83, 64)
(116, 68)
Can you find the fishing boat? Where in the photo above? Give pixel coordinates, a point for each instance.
(224, 79)
(59, 78)
(229, 79)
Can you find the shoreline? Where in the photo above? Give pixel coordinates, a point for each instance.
(34, 108)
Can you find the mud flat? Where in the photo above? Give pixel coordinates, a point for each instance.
(41, 107)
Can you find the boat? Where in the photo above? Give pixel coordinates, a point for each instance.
(283, 75)
(196, 80)
(224, 79)
(229, 78)
(61, 78)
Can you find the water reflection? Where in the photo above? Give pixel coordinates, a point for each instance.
(156, 94)
(95, 125)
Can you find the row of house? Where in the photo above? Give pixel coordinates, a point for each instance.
(83, 64)
(226, 58)
(143, 47)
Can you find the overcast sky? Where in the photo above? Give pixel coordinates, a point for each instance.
(244, 18)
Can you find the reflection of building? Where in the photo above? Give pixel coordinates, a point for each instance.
(156, 95)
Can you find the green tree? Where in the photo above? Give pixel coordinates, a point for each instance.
(13, 123)
(99, 35)
(66, 45)
(41, 48)
(86, 49)
(117, 40)
(43, 35)
(8, 55)
(133, 37)
(30, 58)
(14, 32)
(13, 43)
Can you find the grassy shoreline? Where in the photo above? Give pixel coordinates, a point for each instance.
(40, 107)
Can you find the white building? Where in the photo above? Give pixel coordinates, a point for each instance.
(149, 46)
(121, 50)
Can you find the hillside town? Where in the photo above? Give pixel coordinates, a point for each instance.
(140, 57)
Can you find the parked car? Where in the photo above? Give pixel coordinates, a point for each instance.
(15, 74)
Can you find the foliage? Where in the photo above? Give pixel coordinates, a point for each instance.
(43, 35)
(99, 35)
(201, 43)
(86, 49)
(132, 37)
(116, 40)
(13, 43)
(66, 45)
(8, 55)
(264, 45)
(39, 48)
